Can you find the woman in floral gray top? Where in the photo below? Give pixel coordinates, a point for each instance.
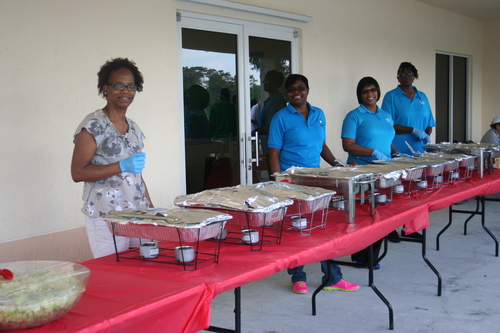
(108, 156)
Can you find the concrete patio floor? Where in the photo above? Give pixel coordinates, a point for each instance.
(470, 300)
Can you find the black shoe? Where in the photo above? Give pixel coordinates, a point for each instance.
(394, 237)
(414, 235)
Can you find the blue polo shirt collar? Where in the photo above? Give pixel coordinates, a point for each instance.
(363, 109)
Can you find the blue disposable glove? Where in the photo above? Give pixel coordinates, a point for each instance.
(134, 163)
(419, 133)
(379, 156)
(427, 139)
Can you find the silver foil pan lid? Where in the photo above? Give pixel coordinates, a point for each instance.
(332, 173)
(293, 191)
(238, 198)
(173, 217)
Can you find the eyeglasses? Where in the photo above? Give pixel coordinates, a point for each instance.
(293, 89)
(405, 75)
(366, 91)
(120, 87)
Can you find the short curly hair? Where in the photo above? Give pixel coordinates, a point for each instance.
(112, 66)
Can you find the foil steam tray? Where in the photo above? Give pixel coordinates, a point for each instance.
(389, 175)
(433, 167)
(306, 199)
(248, 205)
(167, 224)
(334, 178)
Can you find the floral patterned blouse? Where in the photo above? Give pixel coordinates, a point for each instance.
(124, 190)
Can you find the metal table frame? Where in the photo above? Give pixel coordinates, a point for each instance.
(373, 262)
(480, 210)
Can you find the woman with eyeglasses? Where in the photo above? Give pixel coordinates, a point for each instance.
(411, 111)
(368, 131)
(297, 137)
(367, 134)
(108, 156)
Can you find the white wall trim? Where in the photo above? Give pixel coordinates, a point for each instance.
(254, 9)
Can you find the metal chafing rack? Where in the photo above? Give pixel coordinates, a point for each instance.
(486, 153)
(390, 175)
(176, 226)
(434, 167)
(249, 206)
(307, 201)
(345, 181)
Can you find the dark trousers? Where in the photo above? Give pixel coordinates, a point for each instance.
(362, 255)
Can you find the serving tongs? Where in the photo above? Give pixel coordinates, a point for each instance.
(415, 153)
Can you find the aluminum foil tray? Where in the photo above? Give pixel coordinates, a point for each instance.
(391, 174)
(235, 198)
(252, 219)
(248, 205)
(167, 224)
(433, 167)
(334, 178)
(306, 199)
(461, 148)
(463, 159)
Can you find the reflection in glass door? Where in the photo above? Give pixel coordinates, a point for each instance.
(210, 109)
(224, 66)
(270, 59)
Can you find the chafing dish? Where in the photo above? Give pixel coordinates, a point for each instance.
(175, 224)
(389, 175)
(306, 201)
(485, 152)
(434, 167)
(345, 181)
(248, 205)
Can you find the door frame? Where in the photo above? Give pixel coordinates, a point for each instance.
(243, 30)
(468, 104)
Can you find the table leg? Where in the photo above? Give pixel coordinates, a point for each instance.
(237, 316)
(370, 282)
(480, 210)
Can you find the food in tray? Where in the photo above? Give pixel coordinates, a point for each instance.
(39, 292)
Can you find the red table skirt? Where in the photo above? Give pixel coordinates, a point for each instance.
(135, 296)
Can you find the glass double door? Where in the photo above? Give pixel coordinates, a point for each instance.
(224, 66)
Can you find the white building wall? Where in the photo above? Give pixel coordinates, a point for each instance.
(51, 50)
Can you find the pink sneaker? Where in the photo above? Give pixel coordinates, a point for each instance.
(342, 285)
(299, 287)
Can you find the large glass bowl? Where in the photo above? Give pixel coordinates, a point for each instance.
(40, 292)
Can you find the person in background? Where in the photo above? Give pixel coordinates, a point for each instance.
(493, 134)
(367, 134)
(108, 156)
(275, 102)
(410, 109)
(254, 115)
(297, 136)
(223, 117)
(196, 125)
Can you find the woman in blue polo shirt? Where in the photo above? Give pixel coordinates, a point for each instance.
(367, 134)
(297, 138)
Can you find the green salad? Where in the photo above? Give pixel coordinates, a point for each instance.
(36, 297)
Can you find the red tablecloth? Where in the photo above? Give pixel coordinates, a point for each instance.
(130, 296)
